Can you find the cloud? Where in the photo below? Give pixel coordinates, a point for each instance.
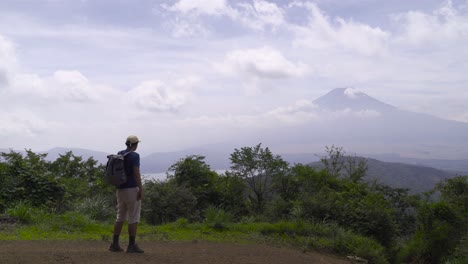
(260, 15)
(71, 86)
(300, 112)
(188, 22)
(205, 7)
(21, 123)
(443, 26)
(8, 61)
(263, 63)
(322, 34)
(352, 92)
(157, 96)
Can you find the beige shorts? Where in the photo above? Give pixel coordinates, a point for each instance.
(128, 208)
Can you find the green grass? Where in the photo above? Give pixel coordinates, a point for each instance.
(301, 235)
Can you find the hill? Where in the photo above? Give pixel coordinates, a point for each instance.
(400, 175)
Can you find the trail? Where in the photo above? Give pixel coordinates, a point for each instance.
(75, 252)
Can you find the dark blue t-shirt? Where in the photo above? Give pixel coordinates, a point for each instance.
(131, 160)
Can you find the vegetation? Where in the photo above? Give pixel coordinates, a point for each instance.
(261, 199)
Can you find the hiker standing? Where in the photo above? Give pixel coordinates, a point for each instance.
(129, 195)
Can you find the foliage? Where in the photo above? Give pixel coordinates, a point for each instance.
(27, 178)
(21, 211)
(166, 202)
(313, 236)
(80, 177)
(336, 161)
(96, 208)
(257, 166)
(217, 218)
(442, 225)
(231, 190)
(193, 173)
(312, 208)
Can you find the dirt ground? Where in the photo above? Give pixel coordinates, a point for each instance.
(68, 252)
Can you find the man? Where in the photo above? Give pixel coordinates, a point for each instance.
(129, 197)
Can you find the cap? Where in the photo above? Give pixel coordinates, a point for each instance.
(132, 139)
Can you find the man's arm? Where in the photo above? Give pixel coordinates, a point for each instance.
(136, 172)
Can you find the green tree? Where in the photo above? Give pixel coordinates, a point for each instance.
(81, 178)
(441, 224)
(195, 174)
(355, 168)
(258, 167)
(167, 201)
(27, 178)
(231, 190)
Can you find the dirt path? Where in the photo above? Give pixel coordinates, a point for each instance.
(68, 252)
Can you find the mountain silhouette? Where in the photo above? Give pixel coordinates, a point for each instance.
(349, 98)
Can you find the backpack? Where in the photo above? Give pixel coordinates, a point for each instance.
(115, 169)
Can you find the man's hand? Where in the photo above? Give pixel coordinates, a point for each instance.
(139, 194)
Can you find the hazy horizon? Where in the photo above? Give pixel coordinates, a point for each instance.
(183, 74)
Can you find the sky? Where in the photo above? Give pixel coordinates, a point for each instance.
(184, 73)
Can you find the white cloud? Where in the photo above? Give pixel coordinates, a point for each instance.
(263, 63)
(207, 7)
(260, 15)
(352, 92)
(160, 97)
(188, 27)
(21, 123)
(187, 22)
(8, 61)
(301, 112)
(70, 86)
(322, 34)
(444, 26)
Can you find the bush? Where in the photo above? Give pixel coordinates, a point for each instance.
(22, 211)
(97, 208)
(331, 236)
(166, 202)
(217, 218)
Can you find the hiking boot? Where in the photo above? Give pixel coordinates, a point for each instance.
(134, 249)
(115, 248)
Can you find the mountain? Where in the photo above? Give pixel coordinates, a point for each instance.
(54, 153)
(362, 124)
(400, 175)
(348, 98)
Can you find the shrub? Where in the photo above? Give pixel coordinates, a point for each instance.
(166, 202)
(217, 217)
(96, 208)
(22, 211)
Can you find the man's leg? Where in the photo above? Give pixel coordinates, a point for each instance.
(134, 218)
(132, 231)
(121, 213)
(117, 230)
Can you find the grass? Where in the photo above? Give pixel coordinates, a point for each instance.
(304, 236)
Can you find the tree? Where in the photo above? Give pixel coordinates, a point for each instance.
(257, 166)
(193, 173)
(166, 202)
(336, 161)
(27, 178)
(441, 224)
(79, 177)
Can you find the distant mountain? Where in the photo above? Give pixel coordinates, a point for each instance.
(362, 124)
(161, 161)
(54, 153)
(399, 175)
(348, 98)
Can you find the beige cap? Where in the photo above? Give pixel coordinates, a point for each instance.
(132, 139)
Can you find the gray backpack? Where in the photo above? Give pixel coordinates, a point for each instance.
(115, 169)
